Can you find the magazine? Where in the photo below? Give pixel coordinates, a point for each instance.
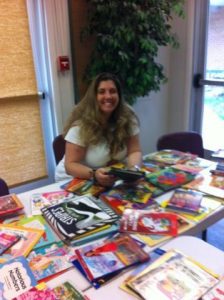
(173, 276)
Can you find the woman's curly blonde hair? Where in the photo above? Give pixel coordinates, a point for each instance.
(89, 118)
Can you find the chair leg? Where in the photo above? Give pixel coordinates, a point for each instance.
(204, 235)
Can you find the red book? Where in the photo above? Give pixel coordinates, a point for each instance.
(9, 204)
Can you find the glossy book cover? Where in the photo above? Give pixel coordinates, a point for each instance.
(9, 204)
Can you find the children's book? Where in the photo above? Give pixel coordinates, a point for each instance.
(7, 240)
(146, 222)
(39, 222)
(150, 166)
(10, 204)
(169, 178)
(16, 277)
(194, 166)
(154, 255)
(50, 260)
(66, 291)
(28, 239)
(79, 216)
(208, 184)
(183, 200)
(82, 187)
(155, 239)
(101, 261)
(173, 276)
(215, 293)
(40, 200)
(40, 291)
(169, 157)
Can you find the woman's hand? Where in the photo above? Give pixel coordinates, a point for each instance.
(103, 178)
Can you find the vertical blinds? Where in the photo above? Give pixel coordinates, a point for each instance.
(22, 157)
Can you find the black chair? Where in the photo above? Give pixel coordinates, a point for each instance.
(59, 147)
(186, 141)
(4, 189)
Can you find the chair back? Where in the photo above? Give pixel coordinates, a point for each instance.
(4, 189)
(186, 141)
(59, 147)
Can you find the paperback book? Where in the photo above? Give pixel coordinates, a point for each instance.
(100, 261)
(16, 277)
(82, 187)
(28, 239)
(7, 240)
(194, 166)
(40, 200)
(147, 222)
(183, 200)
(66, 291)
(173, 276)
(82, 215)
(39, 222)
(169, 178)
(40, 291)
(10, 204)
(215, 293)
(169, 157)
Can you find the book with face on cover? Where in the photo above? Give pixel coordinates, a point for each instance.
(28, 239)
(173, 276)
(100, 261)
(82, 215)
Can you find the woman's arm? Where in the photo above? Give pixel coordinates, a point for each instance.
(134, 152)
(74, 155)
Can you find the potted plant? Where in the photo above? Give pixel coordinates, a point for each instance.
(128, 35)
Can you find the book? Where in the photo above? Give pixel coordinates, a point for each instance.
(83, 186)
(169, 178)
(10, 204)
(185, 200)
(7, 240)
(218, 154)
(50, 260)
(39, 222)
(208, 184)
(194, 166)
(147, 222)
(173, 276)
(40, 200)
(154, 255)
(28, 239)
(40, 291)
(101, 261)
(77, 217)
(16, 277)
(67, 291)
(169, 157)
(216, 292)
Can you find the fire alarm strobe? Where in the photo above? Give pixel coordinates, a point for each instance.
(63, 63)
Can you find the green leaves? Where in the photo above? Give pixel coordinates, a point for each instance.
(128, 35)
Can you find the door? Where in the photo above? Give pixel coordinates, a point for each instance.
(208, 91)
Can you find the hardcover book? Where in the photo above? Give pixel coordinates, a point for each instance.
(16, 277)
(169, 178)
(173, 276)
(184, 200)
(79, 216)
(102, 260)
(10, 204)
(28, 239)
(147, 222)
(169, 157)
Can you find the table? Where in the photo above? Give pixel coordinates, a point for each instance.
(206, 254)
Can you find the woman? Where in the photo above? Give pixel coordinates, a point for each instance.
(102, 130)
